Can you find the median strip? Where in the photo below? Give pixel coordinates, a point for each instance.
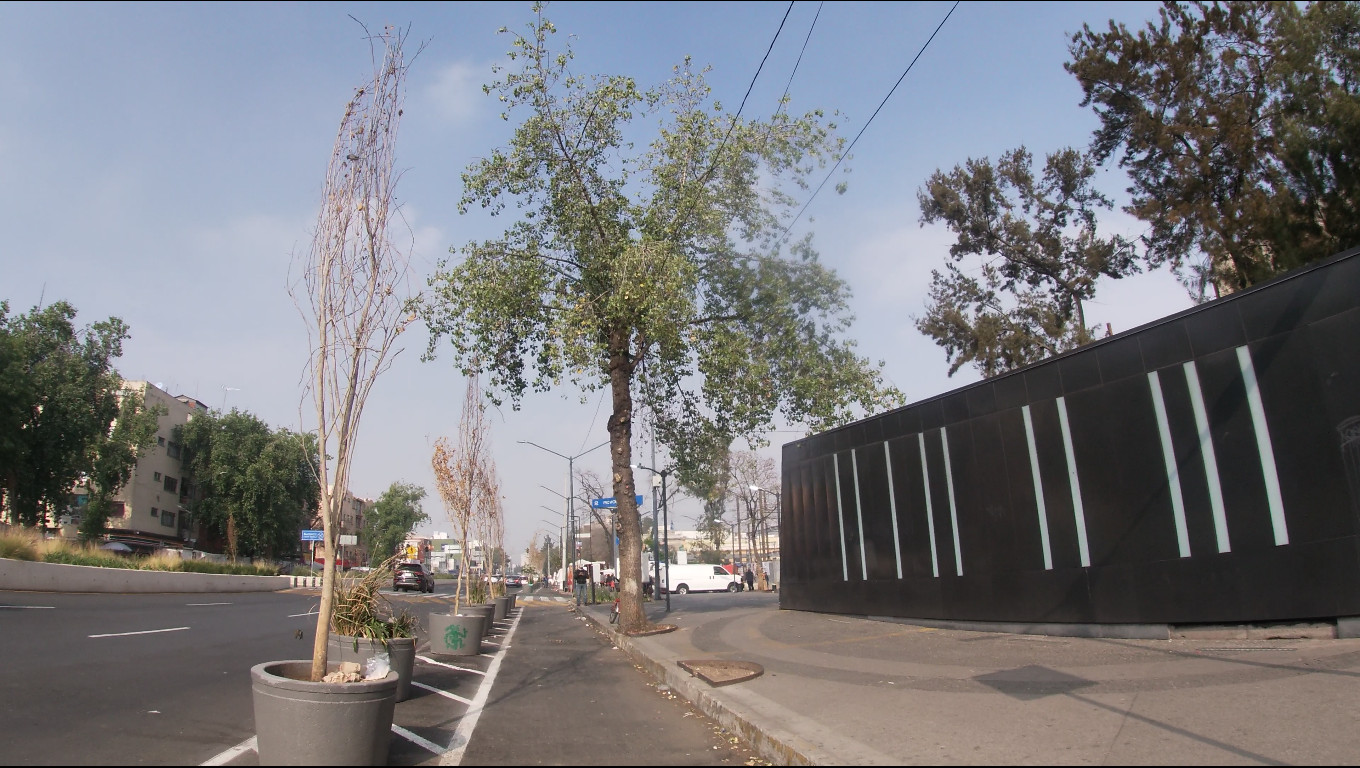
(143, 632)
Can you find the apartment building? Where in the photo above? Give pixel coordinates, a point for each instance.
(152, 509)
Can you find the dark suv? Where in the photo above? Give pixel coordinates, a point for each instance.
(412, 576)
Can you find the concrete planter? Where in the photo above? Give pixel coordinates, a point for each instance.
(502, 605)
(401, 652)
(485, 609)
(457, 634)
(298, 722)
(512, 600)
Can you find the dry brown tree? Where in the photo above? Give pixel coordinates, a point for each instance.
(356, 287)
(465, 478)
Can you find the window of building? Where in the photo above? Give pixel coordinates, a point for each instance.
(155, 512)
(167, 518)
(157, 477)
(172, 450)
(118, 509)
(171, 484)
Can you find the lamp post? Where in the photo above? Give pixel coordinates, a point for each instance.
(571, 485)
(779, 520)
(560, 538)
(656, 559)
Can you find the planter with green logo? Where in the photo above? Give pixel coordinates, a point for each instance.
(456, 634)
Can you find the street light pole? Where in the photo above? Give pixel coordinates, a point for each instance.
(656, 562)
(571, 488)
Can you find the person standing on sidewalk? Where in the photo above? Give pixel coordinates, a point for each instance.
(750, 580)
(581, 578)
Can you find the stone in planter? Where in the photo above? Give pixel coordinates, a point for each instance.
(298, 722)
(456, 634)
(401, 653)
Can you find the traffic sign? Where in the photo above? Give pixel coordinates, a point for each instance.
(312, 535)
(609, 503)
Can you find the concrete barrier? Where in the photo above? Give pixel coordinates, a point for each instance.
(23, 575)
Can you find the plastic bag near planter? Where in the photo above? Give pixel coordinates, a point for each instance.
(401, 653)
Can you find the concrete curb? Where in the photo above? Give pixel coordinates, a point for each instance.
(27, 576)
(778, 747)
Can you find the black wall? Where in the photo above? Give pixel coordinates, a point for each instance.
(1202, 468)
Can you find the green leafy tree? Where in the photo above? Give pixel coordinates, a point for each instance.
(59, 398)
(1036, 257)
(394, 515)
(115, 456)
(656, 273)
(1239, 125)
(255, 487)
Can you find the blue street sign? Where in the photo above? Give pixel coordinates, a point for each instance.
(312, 535)
(609, 503)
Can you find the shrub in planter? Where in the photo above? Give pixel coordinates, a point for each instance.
(364, 625)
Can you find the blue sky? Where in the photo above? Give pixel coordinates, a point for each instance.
(160, 163)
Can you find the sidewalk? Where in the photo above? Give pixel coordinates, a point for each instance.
(843, 690)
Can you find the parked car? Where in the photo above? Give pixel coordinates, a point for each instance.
(410, 576)
(514, 581)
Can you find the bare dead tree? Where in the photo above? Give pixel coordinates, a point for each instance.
(356, 286)
(465, 478)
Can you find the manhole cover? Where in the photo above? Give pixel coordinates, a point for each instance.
(718, 672)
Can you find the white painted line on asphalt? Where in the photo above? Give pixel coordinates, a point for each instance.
(428, 660)
(295, 615)
(192, 604)
(421, 742)
(443, 693)
(226, 756)
(143, 632)
(468, 722)
(30, 607)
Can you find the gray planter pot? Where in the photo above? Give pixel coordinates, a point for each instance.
(502, 608)
(485, 609)
(456, 634)
(298, 722)
(512, 600)
(401, 653)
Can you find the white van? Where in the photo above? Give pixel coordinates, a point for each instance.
(698, 578)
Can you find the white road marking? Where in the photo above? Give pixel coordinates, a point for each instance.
(48, 607)
(226, 756)
(443, 693)
(192, 604)
(417, 740)
(143, 632)
(468, 722)
(428, 660)
(295, 615)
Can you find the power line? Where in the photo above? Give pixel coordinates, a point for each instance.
(870, 120)
(800, 58)
(718, 154)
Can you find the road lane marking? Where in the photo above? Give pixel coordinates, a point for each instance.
(143, 632)
(417, 740)
(295, 615)
(467, 724)
(443, 693)
(207, 603)
(428, 660)
(226, 756)
(29, 607)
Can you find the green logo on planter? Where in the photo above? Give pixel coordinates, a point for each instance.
(453, 636)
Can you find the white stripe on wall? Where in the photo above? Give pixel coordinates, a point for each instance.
(1258, 421)
(840, 517)
(953, 510)
(859, 513)
(1077, 511)
(930, 510)
(1206, 451)
(1038, 490)
(892, 507)
(1173, 470)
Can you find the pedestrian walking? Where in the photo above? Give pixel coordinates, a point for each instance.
(750, 580)
(582, 577)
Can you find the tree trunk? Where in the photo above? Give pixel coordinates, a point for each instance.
(631, 616)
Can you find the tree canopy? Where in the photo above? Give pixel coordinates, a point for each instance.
(658, 273)
(1239, 126)
(394, 515)
(255, 487)
(1036, 257)
(59, 399)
